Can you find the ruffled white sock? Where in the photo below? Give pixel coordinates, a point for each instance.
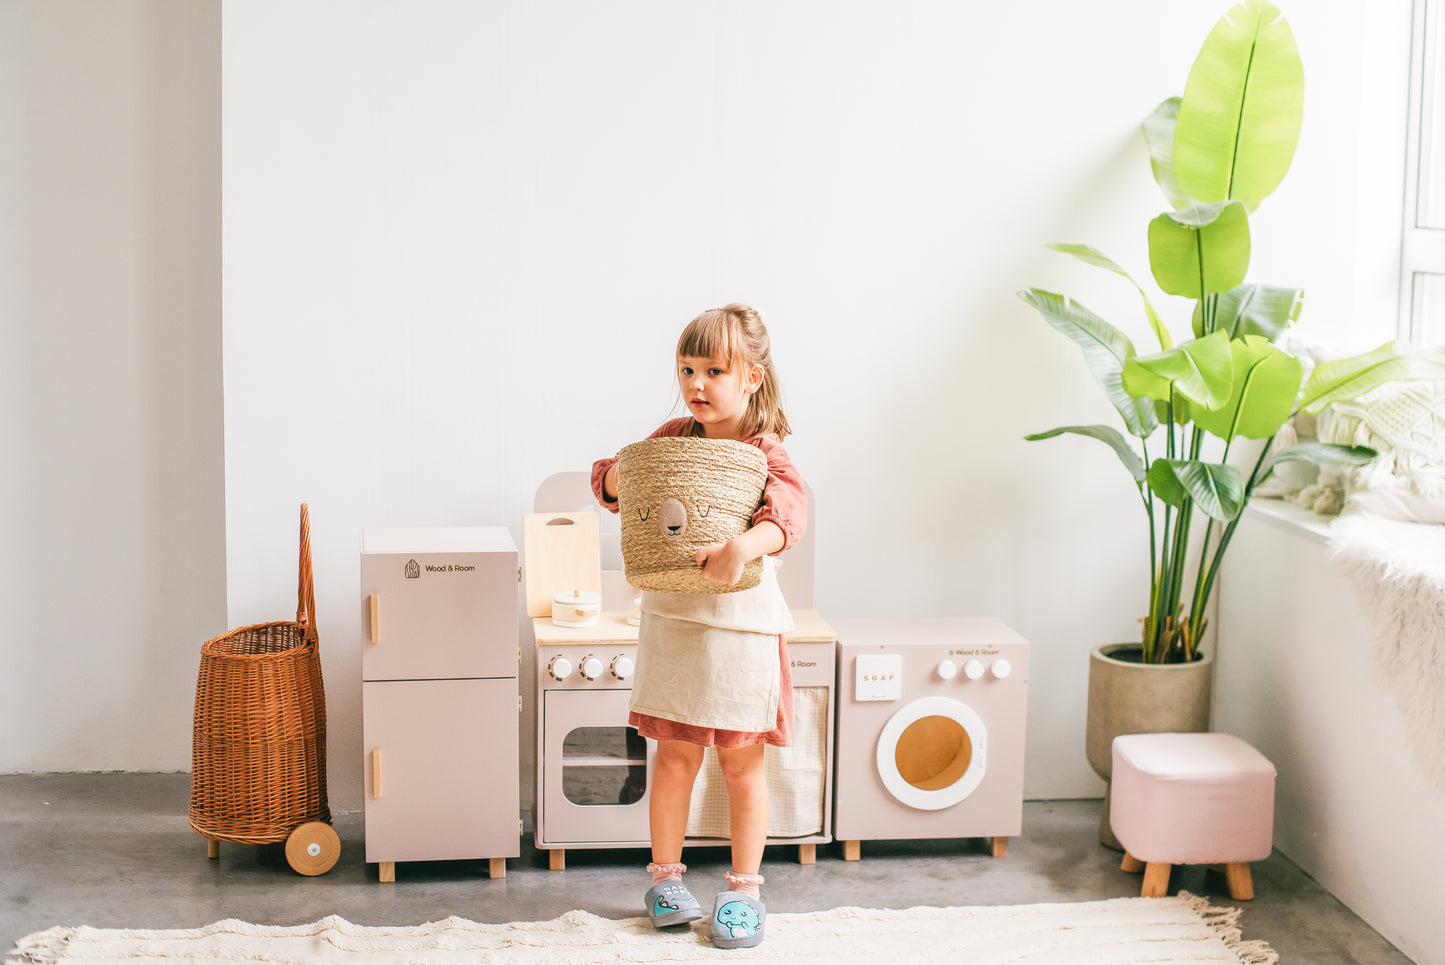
(747, 884)
(666, 872)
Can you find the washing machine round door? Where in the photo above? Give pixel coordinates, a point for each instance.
(931, 753)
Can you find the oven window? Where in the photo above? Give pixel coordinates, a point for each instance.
(604, 766)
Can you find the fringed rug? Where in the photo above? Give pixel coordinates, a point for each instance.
(1137, 931)
(1398, 570)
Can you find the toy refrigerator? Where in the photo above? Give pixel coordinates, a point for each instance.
(440, 718)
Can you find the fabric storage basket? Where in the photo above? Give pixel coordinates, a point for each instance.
(677, 494)
(258, 755)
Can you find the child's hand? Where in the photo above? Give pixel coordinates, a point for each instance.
(723, 562)
(609, 484)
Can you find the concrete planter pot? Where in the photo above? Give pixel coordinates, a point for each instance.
(1130, 697)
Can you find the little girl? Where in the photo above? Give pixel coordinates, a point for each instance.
(725, 374)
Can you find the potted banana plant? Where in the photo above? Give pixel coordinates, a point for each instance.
(1216, 153)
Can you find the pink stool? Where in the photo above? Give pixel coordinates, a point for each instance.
(1192, 799)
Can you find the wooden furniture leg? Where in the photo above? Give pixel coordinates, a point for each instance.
(1131, 864)
(557, 859)
(213, 848)
(386, 871)
(1000, 847)
(1240, 881)
(807, 854)
(1156, 880)
(498, 867)
(852, 850)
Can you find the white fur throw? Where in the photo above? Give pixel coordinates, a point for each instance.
(1398, 570)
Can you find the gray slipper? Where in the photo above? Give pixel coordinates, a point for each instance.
(670, 903)
(737, 920)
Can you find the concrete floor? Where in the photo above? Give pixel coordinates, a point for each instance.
(114, 850)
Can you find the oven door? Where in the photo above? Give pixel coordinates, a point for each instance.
(596, 772)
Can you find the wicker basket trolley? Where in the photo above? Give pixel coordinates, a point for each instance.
(258, 755)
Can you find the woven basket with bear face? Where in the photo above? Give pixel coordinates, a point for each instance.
(677, 494)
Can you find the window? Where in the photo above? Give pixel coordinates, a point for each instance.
(1422, 294)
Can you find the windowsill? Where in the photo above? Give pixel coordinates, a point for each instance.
(1293, 518)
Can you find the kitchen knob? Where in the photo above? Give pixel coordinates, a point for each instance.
(560, 668)
(973, 670)
(947, 669)
(622, 666)
(591, 667)
(1002, 668)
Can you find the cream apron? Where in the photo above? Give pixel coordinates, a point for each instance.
(711, 659)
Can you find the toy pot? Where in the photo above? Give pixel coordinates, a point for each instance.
(579, 608)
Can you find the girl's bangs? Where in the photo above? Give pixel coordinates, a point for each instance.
(709, 336)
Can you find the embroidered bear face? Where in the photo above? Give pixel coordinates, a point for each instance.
(673, 513)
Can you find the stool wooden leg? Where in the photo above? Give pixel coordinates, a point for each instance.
(807, 854)
(1240, 881)
(1131, 864)
(213, 848)
(852, 850)
(386, 871)
(1000, 847)
(1156, 880)
(557, 859)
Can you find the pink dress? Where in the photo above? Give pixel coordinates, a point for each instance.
(785, 505)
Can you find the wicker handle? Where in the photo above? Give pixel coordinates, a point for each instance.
(306, 586)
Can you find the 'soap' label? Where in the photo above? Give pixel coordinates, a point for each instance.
(878, 676)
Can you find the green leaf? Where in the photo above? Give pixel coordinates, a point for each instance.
(1218, 490)
(1108, 435)
(1202, 371)
(1183, 411)
(1200, 250)
(1105, 351)
(1092, 256)
(1266, 382)
(1352, 377)
(1253, 310)
(1165, 484)
(1240, 117)
(1319, 452)
(1158, 130)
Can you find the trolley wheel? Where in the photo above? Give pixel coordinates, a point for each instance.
(312, 849)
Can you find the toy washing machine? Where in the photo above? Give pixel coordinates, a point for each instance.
(930, 740)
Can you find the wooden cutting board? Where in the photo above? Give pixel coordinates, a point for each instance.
(562, 554)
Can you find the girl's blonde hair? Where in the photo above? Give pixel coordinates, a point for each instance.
(736, 332)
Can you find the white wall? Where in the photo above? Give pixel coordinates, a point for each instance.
(1297, 677)
(111, 501)
(461, 238)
